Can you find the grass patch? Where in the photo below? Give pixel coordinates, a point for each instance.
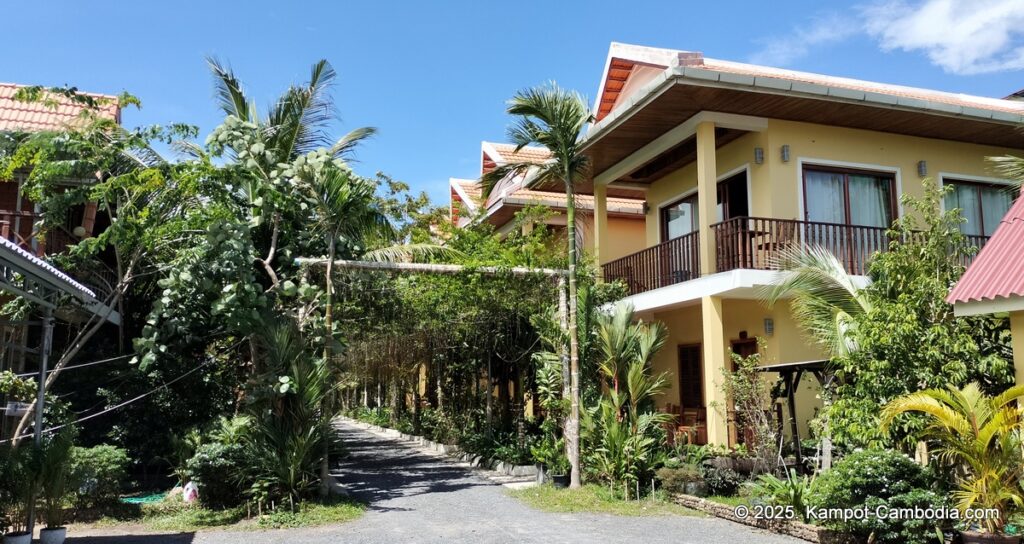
(729, 500)
(172, 515)
(597, 499)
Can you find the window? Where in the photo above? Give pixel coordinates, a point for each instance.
(681, 217)
(848, 197)
(691, 377)
(983, 205)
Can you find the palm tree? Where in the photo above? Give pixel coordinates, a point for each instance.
(619, 342)
(295, 125)
(824, 299)
(344, 210)
(554, 118)
(980, 436)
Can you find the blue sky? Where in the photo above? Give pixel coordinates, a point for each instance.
(434, 76)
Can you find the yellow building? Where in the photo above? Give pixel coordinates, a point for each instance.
(625, 216)
(734, 162)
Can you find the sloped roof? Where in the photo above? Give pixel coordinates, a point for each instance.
(508, 154)
(624, 58)
(37, 116)
(998, 270)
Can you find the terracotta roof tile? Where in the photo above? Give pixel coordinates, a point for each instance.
(508, 153)
(35, 116)
(998, 270)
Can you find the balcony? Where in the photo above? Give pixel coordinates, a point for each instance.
(749, 243)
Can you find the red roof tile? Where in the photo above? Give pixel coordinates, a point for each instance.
(36, 116)
(998, 270)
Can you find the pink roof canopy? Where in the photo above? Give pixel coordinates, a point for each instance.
(998, 270)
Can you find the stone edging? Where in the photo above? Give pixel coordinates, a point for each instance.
(452, 450)
(803, 531)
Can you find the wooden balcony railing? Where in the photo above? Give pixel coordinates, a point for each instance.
(753, 243)
(674, 261)
(756, 242)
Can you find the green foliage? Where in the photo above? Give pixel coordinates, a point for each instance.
(793, 490)
(749, 393)
(623, 433)
(17, 389)
(874, 478)
(720, 480)
(286, 444)
(674, 480)
(100, 472)
(902, 335)
(979, 436)
(218, 470)
(55, 476)
(19, 482)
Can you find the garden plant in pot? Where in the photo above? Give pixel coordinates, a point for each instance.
(54, 480)
(19, 482)
(979, 436)
(558, 471)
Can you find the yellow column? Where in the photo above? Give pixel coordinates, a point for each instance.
(713, 346)
(1017, 341)
(707, 194)
(600, 225)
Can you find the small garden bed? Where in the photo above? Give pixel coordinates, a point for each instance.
(598, 499)
(172, 515)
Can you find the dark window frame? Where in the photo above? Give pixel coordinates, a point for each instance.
(846, 173)
(981, 209)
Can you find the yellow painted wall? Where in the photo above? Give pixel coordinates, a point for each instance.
(787, 344)
(776, 186)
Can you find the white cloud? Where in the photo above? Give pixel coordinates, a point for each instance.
(960, 36)
(821, 31)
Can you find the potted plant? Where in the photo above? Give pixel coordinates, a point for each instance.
(20, 480)
(980, 436)
(558, 471)
(54, 479)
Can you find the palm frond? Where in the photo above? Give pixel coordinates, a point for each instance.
(228, 91)
(411, 253)
(302, 114)
(343, 148)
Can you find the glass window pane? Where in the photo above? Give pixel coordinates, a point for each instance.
(970, 208)
(870, 201)
(823, 192)
(681, 218)
(995, 202)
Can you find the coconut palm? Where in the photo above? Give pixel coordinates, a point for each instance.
(825, 300)
(980, 436)
(296, 124)
(554, 118)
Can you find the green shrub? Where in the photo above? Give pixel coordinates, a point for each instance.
(217, 469)
(721, 481)
(674, 480)
(793, 490)
(873, 478)
(101, 472)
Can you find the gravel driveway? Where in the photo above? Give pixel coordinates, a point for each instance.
(414, 496)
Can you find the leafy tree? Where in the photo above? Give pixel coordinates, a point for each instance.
(977, 434)
(555, 118)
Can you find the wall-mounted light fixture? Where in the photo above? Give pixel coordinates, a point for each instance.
(769, 326)
(759, 155)
(785, 153)
(922, 168)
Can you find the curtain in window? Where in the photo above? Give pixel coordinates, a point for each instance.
(965, 197)
(824, 197)
(995, 202)
(870, 199)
